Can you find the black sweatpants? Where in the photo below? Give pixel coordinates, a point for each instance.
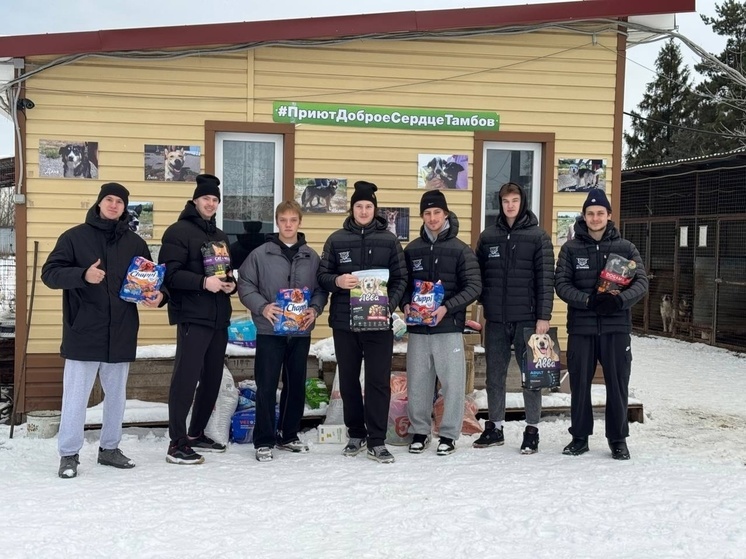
(276, 355)
(200, 356)
(614, 353)
(367, 419)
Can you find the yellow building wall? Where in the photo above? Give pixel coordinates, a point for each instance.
(556, 82)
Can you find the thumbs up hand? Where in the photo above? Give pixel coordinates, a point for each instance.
(93, 274)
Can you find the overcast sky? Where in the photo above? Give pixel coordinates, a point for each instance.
(44, 16)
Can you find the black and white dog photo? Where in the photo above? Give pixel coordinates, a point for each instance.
(79, 160)
(441, 171)
(134, 213)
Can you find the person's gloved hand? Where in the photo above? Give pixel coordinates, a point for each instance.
(606, 303)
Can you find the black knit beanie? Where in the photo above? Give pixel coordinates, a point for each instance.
(597, 197)
(114, 189)
(207, 185)
(433, 199)
(364, 191)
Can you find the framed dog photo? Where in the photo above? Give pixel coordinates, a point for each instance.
(397, 221)
(141, 218)
(442, 171)
(321, 195)
(69, 159)
(580, 175)
(171, 163)
(566, 226)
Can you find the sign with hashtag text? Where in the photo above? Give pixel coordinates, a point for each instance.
(331, 114)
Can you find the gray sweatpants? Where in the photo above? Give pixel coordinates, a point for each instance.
(428, 357)
(498, 337)
(77, 384)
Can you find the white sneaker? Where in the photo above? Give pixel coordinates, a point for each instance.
(264, 454)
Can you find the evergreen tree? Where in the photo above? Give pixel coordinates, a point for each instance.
(668, 100)
(723, 108)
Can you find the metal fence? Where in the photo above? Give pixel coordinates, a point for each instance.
(689, 222)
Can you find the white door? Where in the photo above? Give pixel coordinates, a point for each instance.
(509, 162)
(250, 170)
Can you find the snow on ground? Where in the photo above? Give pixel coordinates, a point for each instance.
(683, 494)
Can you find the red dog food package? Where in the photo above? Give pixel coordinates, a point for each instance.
(143, 279)
(617, 274)
(426, 298)
(216, 258)
(294, 304)
(369, 301)
(542, 360)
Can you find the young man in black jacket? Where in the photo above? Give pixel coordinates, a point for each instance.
(200, 307)
(437, 350)
(363, 243)
(598, 325)
(517, 261)
(99, 329)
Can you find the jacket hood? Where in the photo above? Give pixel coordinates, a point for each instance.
(377, 223)
(190, 213)
(450, 232)
(522, 212)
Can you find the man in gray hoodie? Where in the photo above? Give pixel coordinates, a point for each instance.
(283, 262)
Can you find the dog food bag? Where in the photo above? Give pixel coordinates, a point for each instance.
(216, 258)
(542, 360)
(426, 298)
(369, 301)
(294, 303)
(143, 279)
(242, 331)
(617, 274)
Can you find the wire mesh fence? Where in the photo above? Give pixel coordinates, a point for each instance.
(689, 223)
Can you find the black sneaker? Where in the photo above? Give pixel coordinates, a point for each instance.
(619, 450)
(204, 443)
(491, 436)
(114, 457)
(578, 446)
(354, 447)
(419, 444)
(530, 444)
(446, 446)
(183, 454)
(68, 466)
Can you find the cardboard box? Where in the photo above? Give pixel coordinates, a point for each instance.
(332, 434)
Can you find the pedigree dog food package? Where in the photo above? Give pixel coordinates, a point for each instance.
(143, 279)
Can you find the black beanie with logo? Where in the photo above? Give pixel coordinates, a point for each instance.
(364, 191)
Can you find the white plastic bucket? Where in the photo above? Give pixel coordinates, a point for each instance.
(42, 424)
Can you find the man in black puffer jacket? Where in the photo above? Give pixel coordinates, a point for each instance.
(598, 326)
(99, 329)
(437, 350)
(517, 262)
(363, 243)
(200, 307)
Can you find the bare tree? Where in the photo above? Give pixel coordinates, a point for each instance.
(7, 208)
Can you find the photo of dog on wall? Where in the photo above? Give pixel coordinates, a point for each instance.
(328, 195)
(69, 159)
(581, 175)
(397, 221)
(566, 226)
(141, 218)
(442, 171)
(171, 162)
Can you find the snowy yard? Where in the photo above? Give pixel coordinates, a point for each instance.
(683, 494)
